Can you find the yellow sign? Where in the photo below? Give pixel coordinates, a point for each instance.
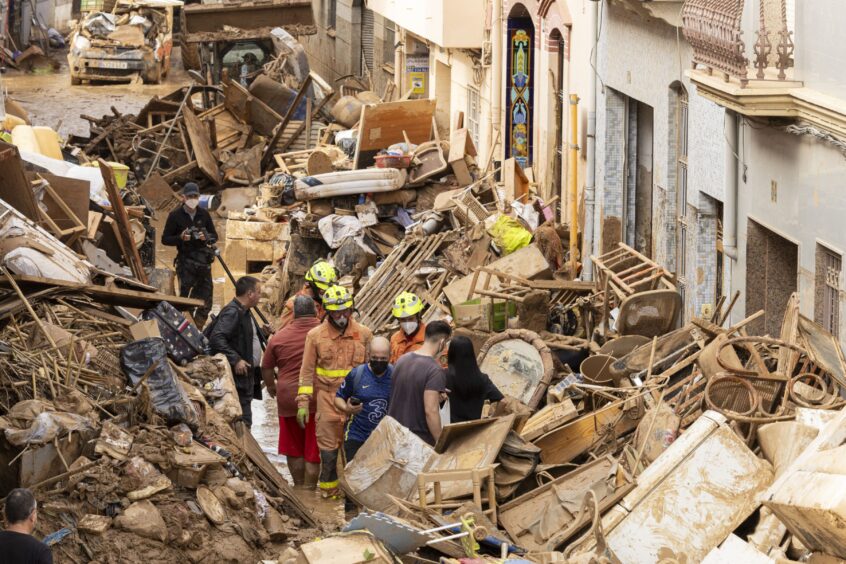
(418, 82)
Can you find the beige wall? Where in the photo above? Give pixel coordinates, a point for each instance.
(448, 23)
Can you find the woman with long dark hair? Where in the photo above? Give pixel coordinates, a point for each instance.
(468, 386)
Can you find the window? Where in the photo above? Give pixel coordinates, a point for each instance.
(681, 189)
(827, 302)
(473, 112)
(331, 13)
(388, 43)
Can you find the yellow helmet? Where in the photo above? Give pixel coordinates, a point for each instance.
(321, 274)
(406, 305)
(337, 298)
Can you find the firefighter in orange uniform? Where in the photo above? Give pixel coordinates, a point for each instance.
(412, 332)
(320, 276)
(332, 349)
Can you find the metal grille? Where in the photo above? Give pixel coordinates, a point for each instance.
(366, 41)
(829, 266)
(473, 113)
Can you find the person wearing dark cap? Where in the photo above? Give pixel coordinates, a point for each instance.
(16, 542)
(190, 229)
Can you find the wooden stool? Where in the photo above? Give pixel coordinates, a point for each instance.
(476, 475)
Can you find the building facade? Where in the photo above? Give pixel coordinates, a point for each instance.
(785, 103)
(660, 150)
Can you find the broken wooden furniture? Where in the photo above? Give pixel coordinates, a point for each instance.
(549, 514)
(519, 363)
(403, 270)
(384, 124)
(124, 231)
(624, 272)
(684, 503)
(478, 477)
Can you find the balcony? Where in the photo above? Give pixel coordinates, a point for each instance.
(754, 81)
(668, 11)
(457, 24)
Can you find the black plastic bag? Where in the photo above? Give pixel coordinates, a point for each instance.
(169, 399)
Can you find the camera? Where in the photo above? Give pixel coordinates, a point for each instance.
(196, 233)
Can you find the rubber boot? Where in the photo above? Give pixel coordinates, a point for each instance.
(312, 471)
(328, 484)
(296, 465)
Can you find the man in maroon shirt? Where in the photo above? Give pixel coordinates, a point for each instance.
(284, 353)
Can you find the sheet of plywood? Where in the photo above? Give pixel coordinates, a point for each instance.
(202, 146)
(74, 192)
(527, 262)
(472, 444)
(382, 125)
(823, 348)
(566, 443)
(516, 182)
(15, 189)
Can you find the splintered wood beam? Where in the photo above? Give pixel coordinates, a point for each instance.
(122, 221)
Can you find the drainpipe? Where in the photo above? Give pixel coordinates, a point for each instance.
(732, 155)
(589, 230)
(496, 80)
(572, 176)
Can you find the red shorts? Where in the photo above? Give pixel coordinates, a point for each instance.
(298, 442)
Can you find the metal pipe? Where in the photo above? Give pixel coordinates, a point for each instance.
(496, 76)
(572, 173)
(590, 172)
(731, 158)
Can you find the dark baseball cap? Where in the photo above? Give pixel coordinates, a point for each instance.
(190, 189)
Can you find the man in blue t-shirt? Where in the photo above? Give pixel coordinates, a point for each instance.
(364, 396)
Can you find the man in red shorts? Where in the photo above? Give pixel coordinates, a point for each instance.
(280, 369)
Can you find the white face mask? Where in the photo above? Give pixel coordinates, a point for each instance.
(192, 203)
(409, 327)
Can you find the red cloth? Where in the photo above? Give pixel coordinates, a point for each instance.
(285, 353)
(297, 442)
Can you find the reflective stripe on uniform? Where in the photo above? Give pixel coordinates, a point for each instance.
(337, 373)
(328, 485)
(308, 390)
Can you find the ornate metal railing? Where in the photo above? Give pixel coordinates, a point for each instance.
(713, 29)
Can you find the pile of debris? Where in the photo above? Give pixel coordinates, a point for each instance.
(625, 435)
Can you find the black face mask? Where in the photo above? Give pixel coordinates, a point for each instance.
(378, 366)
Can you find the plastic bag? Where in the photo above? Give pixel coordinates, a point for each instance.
(509, 234)
(169, 399)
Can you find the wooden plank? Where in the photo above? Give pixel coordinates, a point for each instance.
(573, 439)
(122, 221)
(201, 145)
(549, 418)
(280, 128)
(383, 125)
(268, 471)
(107, 295)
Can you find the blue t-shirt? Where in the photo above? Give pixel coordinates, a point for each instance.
(374, 393)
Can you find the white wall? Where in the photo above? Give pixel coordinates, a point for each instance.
(810, 206)
(449, 23)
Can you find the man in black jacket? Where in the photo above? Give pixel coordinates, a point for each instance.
(190, 229)
(233, 335)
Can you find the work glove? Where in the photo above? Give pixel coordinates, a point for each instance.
(302, 417)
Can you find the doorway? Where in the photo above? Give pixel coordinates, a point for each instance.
(772, 264)
(639, 167)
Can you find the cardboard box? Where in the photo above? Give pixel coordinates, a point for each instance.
(144, 329)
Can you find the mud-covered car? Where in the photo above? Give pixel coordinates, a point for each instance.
(136, 39)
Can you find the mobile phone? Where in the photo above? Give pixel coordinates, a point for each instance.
(355, 401)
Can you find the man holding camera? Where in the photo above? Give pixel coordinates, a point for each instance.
(190, 229)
